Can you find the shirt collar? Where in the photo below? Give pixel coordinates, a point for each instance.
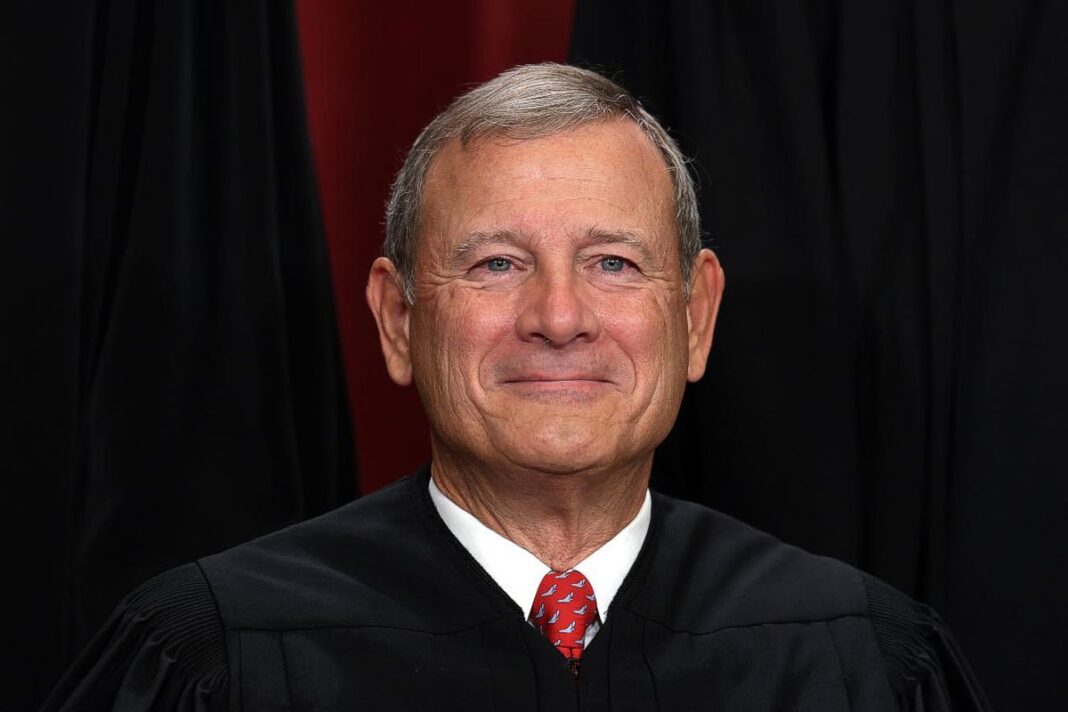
(518, 572)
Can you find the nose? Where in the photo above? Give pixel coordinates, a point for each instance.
(556, 309)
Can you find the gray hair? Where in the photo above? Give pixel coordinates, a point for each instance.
(531, 101)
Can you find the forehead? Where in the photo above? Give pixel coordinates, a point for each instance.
(605, 175)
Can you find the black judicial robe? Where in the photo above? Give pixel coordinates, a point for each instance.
(376, 606)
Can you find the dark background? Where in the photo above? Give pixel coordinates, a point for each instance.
(186, 355)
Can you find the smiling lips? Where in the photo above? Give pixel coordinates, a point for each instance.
(557, 378)
(576, 376)
(569, 386)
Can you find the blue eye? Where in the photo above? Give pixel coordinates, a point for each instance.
(613, 264)
(498, 264)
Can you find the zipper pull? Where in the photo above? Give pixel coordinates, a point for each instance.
(574, 664)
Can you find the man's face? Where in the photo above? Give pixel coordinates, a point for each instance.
(550, 325)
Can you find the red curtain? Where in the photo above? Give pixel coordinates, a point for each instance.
(375, 74)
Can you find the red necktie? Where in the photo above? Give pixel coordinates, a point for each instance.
(564, 607)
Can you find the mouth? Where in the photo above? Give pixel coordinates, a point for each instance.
(562, 379)
(557, 388)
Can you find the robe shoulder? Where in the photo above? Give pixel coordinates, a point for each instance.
(925, 666)
(200, 637)
(380, 561)
(729, 576)
(163, 648)
(166, 646)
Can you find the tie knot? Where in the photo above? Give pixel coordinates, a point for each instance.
(564, 607)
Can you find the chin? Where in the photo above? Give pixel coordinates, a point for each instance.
(559, 447)
(553, 464)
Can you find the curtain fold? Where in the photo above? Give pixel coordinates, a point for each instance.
(186, 310)
(376, 74)
(884, 183)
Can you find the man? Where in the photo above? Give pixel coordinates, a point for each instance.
(545, 289)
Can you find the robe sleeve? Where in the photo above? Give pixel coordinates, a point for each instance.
(926, 668)
(162, 649)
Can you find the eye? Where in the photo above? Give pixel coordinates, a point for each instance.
(613, 264)
(498, 264)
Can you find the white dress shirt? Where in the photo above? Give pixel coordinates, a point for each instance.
(519, 573)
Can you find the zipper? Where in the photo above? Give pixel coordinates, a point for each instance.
(573, 663)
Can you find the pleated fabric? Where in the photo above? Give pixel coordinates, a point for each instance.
(377, 606)
(170, 355)
(162, 649)
(884, 184)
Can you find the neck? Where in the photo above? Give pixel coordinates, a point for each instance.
(559, 518)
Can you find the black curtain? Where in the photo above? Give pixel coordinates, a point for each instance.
(886, 183)
(171, 379)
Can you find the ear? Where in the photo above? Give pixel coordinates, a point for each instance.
(392, 314)
(706, 292)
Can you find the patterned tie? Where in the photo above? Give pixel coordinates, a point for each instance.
(564, 607)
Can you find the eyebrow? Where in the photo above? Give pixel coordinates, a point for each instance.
(593, 236)
(477, 240)
(598, 236)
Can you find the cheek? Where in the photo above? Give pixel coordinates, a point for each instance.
(453, 339)
(651, 333)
